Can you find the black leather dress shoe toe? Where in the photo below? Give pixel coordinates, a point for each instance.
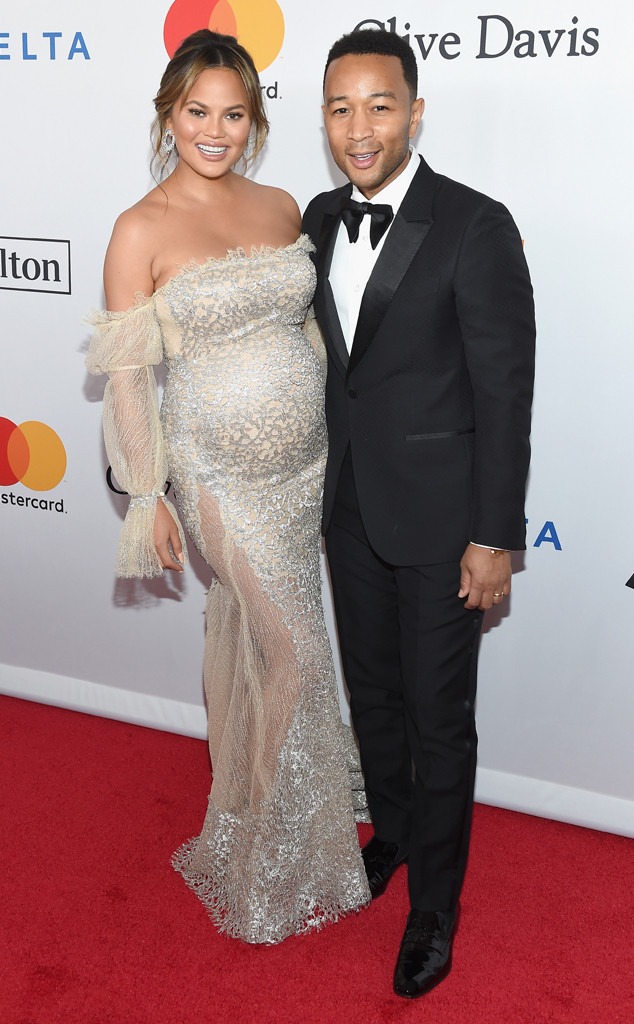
(381, 861)
(424, 958)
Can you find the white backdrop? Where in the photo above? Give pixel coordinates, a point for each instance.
(530, 104)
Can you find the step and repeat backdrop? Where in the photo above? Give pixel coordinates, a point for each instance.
(530, 103)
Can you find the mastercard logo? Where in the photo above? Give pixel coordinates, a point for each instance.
(32, 454)
(257, 24)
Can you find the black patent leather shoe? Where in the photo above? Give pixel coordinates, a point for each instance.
(381, 861)
(424, 958)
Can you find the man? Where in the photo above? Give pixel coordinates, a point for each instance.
(426, 306)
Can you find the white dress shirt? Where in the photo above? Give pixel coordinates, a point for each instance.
(353, 262)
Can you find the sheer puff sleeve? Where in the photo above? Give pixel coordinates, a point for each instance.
(127, 346)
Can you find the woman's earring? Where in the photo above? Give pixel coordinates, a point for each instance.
(250, 146)
(168, 141)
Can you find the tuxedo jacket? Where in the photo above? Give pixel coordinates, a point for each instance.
(435, 397)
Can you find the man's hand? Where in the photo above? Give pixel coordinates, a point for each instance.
(167, 539)
(485, 577)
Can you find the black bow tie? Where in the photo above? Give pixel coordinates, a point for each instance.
(381, 217)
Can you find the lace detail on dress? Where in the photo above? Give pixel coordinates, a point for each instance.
(239, 254)
(244, 428)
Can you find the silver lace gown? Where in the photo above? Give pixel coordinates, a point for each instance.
(242, 436)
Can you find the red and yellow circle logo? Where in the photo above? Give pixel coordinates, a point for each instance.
(32, 454)
(257, 24)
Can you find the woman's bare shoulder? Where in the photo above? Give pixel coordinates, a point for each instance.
(132, 249)
(276, 199)
(142, 218)
(283, 199)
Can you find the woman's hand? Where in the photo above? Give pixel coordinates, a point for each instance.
(167, 539)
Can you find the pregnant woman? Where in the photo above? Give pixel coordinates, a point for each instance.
(209, 272)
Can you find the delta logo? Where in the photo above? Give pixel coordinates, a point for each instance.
(258, 25)
(32, 454)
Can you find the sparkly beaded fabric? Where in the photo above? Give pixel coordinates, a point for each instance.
(242, 436)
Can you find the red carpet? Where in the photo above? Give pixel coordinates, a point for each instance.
(98, 929)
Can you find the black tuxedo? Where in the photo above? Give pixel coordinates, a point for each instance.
(428, 422)
(435, 398)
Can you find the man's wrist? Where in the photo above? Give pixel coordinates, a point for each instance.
(487, 547)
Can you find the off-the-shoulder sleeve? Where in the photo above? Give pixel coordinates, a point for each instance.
(127, 346)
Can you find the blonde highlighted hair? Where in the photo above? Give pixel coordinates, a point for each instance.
(198, 52)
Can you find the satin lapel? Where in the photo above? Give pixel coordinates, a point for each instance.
(325, 300)
(410, 227)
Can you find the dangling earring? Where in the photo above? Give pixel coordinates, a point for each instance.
(168, 141)
(250, 146)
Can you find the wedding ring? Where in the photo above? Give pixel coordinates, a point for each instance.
(497, 595)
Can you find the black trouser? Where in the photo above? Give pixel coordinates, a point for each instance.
(409, 649)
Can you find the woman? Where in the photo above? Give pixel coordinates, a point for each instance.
(210, 271)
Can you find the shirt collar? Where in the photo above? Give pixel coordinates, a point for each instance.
(394, 193)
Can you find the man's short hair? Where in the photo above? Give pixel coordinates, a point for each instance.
(381, 43)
